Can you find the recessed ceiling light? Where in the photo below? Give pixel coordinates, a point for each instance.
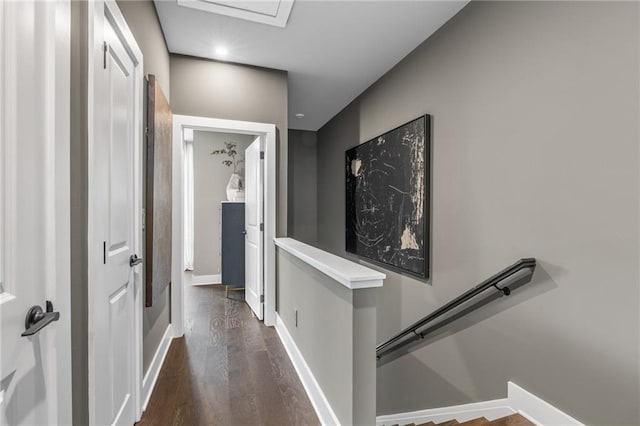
(222, 51)
(299, 115)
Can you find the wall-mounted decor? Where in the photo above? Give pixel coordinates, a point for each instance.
(158, 196)
(387, 199)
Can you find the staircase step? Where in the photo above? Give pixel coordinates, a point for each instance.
(480, 421)
(512, 420)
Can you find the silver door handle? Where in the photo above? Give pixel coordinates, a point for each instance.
(135, 260)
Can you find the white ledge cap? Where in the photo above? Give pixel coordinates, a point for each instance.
(350, 274)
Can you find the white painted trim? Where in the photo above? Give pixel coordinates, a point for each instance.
(60, 106)
(206, 279)
(490, 409)
(518, 401)
(314, 392)
(139, 194)
(268, 131)
(350, 274)
(537, 410)
(95, 16)
(151, 376)
(270, 197)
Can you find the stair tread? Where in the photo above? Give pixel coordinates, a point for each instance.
(512, 420)
(480, 421)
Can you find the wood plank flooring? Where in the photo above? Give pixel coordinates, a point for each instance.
(228, 369)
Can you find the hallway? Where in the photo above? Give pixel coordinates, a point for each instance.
(228, 369)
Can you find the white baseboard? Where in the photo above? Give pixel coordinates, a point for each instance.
(206, 279)
(537, 410)
(518, 401)
(318, 400)
(490, 409)
(151, 376)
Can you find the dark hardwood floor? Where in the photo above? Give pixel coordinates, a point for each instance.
(228, 369)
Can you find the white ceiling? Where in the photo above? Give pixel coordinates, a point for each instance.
(332, 50)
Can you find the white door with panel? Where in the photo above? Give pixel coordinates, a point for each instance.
(254, 227)
(35, 350)
(114, 274)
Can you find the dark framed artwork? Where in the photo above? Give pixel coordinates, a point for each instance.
(387, 198)
(158, 193)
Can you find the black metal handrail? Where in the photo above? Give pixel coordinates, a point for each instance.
(396, 342)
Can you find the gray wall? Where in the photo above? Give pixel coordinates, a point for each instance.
(143, 21)
(335, 333)
(303, 185)
(535, 153)
(208, 88)
(79, 215)
(210, 183)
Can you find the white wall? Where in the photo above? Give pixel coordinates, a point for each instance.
(210, 178)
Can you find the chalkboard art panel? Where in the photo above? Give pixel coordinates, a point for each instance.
(387, 200)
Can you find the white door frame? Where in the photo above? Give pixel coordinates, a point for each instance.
(268, 132)
(97, 11)
(254, 262)
(62, 106)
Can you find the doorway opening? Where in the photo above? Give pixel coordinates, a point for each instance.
(214, 183)
(259, 214)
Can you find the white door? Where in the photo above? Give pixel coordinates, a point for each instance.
(35, 369)
(113, 222)
(254, 275)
